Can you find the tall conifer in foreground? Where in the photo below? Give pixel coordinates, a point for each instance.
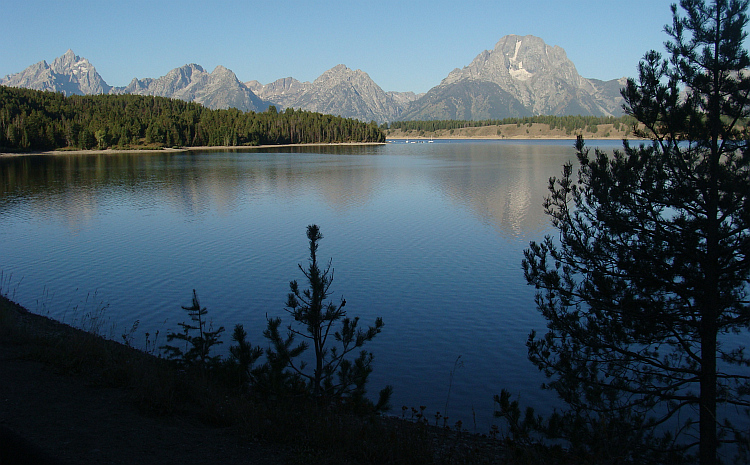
(645, 289)
(332, 334)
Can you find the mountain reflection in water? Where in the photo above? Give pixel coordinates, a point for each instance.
(428, 236)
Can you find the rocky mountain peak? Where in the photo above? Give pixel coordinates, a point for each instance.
(338, 91)
(70, 62)
(184, 75)
(517, 58)
(218, 89)
(279, 90)
(337, 74)
(340, 68)
(193, 68)
(520, 76)
(221, 71)
(69, 74)
(222, 76)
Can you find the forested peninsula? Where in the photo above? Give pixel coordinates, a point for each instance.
(32, 120)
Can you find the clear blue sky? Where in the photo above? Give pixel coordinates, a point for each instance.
(402, 45)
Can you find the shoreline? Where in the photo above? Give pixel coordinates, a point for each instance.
(271, 146)
(74, 396)
(179, 149)
(550, 137)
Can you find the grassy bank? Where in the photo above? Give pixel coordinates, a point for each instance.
(302, 431)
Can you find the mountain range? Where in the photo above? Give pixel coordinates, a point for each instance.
(521, 76)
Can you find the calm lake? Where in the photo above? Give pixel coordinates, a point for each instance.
(429, 236)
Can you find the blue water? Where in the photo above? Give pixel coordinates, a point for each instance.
(428, 236)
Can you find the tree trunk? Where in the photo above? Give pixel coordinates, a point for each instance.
(318, 367)
(711, 307)
(707, 424)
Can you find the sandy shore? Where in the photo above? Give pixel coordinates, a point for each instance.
(176, 150)
(256, 147)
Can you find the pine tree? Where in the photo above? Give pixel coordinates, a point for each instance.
(331, 333)
(198, 338)
(645, 289)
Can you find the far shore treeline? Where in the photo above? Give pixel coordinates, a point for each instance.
(570, 124)
(32, 120)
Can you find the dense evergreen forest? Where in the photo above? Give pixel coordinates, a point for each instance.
(569, 123)
(35, 120)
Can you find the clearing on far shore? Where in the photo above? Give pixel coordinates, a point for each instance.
(517, 131)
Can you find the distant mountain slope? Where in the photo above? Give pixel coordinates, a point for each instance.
(217, 90)
(521, 76)
(471, 100)
(338, 91)
(69, 74)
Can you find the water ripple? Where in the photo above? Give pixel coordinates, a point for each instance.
(430, 238)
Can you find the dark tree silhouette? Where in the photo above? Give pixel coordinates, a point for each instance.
(331, 333)
(198, 338)
(645, 289)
